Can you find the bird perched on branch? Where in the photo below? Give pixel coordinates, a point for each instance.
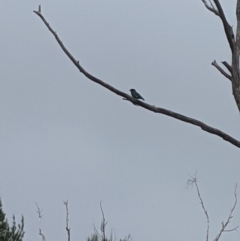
(135, 94)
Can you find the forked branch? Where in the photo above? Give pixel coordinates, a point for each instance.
(224, 225)
(219, 12)
(215, 64)
(144, 105)
(228, 66)
(193, 182)
(101, 236)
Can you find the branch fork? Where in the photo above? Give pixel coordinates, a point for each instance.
(234, 44)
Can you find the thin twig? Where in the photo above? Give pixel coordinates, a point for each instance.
(103, 224)
(97, 233)
(224, 225)
(193, 181)
(67, 220)
(39, 211)
(40, 216)
(102, 236)
(149, 107)
(215, 64)
(42, 235)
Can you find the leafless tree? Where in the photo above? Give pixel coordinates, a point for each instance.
(233, 74)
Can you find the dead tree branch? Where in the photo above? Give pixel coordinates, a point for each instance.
(103, 224)
(219, 12)
(193, 182)
(42, 235)
(39, 212)
(215, 64)
(102, 235)
(228, 66)
(67, 220)
(149, 107)
(224, 225)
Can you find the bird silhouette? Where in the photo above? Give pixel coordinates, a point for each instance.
(135, 94)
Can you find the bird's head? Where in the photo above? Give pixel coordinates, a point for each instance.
(132, 90)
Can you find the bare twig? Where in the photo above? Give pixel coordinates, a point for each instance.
(102, 235)
(224, 225)
(42, 235)
(39, 212)
(215, 64)
(67, 220)
(97, 233)
(149, 107)
(103, 224)
(191, 182)
(210, 8)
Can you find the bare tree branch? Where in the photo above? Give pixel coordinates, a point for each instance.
(224, 225)
(228, 66)
(210, 8)
(103, 224)
(215, 64)
(149, 107)
(67, 220)
(228, 29)
(191, 182)
(39, 212)
(42, 235)
(102, 235)
(235, 48)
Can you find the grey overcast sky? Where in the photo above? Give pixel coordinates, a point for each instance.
(63, 137)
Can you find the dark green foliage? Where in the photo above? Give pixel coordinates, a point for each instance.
(7, 233)
(96, 237)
